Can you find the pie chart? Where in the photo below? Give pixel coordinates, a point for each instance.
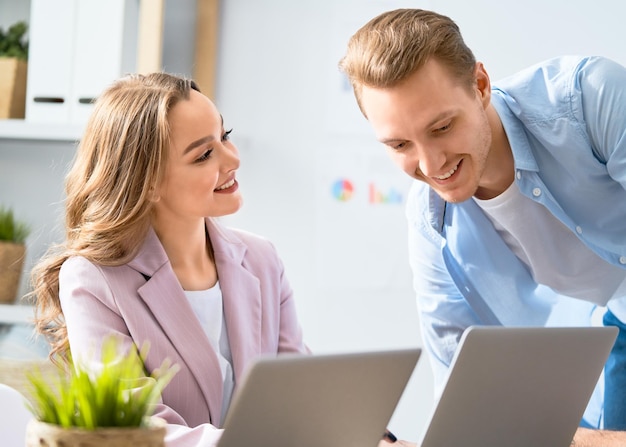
(342, 190)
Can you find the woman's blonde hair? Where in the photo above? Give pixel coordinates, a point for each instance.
(120, 160)
(395, 44)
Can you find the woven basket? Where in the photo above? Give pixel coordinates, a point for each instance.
(11, 263)
(41, 434)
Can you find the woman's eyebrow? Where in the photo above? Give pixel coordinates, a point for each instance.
(198, 142)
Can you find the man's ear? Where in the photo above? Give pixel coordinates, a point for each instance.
(483, 83)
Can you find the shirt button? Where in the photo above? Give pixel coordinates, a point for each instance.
(536, 192)
(622, 259)
(579, 230)
(518, 175)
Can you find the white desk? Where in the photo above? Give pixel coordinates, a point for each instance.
(16, 336)
(16, 314)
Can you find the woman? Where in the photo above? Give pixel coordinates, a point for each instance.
(144, 258)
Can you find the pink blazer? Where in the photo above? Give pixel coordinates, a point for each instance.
(143, 301)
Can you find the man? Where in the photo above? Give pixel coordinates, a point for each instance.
(519, 213)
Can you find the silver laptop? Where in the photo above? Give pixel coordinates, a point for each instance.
(518, 387)
(328, 400)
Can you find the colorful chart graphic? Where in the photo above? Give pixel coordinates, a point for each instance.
(342, 190)
(392, 196)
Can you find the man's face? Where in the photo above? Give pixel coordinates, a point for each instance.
(435, 128)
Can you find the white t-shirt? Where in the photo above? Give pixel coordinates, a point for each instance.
(555, 256)
(208, 307)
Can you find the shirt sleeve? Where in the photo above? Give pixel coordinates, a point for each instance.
(291, 337)
(443, 312)
(602, 83)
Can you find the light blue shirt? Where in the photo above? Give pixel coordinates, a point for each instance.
(565, 120)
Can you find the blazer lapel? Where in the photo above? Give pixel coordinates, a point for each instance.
(241, 294)
(162, 293)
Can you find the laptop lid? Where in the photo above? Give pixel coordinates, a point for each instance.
(328, 400)
(518, 387)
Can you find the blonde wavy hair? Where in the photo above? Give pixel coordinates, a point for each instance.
(120, 159)
(394, 44)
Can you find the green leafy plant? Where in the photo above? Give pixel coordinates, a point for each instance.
(119, 394)
(13, 42)
(12, 229)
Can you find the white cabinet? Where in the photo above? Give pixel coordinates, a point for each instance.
(77, 48)
(110, 37)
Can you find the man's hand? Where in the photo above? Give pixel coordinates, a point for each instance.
(385, 443)
(390, 440)
(586, 437)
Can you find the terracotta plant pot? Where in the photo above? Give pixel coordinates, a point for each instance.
(41, 434)
(11, 263)
(13, 73)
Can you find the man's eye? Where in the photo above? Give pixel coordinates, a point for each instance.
(443, 128)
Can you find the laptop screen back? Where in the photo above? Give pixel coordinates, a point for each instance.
(519, 387)
(318, 400)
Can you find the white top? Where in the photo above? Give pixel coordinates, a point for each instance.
(208, 307)
(555, 256)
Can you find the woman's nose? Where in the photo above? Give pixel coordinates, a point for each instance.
(230, 155)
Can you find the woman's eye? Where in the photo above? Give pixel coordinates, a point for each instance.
(204, 156)
(226, 135)
(398, 147)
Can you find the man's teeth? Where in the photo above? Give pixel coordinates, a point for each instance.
(227, 185)
(447, 174)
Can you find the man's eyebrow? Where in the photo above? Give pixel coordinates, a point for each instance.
(443, 115)
(198, 142)
(447, 114)
(390, 140)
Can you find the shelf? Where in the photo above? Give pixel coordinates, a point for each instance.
(16, 314)
(16, 129)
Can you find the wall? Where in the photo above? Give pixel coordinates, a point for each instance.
(297, 129)
(277, 79)
(509, 35)
(12, 11)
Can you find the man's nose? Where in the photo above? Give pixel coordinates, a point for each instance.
(430, 161)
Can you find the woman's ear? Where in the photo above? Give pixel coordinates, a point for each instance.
(153, 196)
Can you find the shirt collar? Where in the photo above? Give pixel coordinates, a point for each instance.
(509, 113)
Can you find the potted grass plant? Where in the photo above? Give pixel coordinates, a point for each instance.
(111, 406)
(13, 234)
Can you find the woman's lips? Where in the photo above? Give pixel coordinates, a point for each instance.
(227, 187)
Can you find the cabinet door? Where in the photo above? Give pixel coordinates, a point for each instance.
(105, 48)
(50, 60)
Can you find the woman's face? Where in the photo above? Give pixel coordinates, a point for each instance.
(200, 178)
